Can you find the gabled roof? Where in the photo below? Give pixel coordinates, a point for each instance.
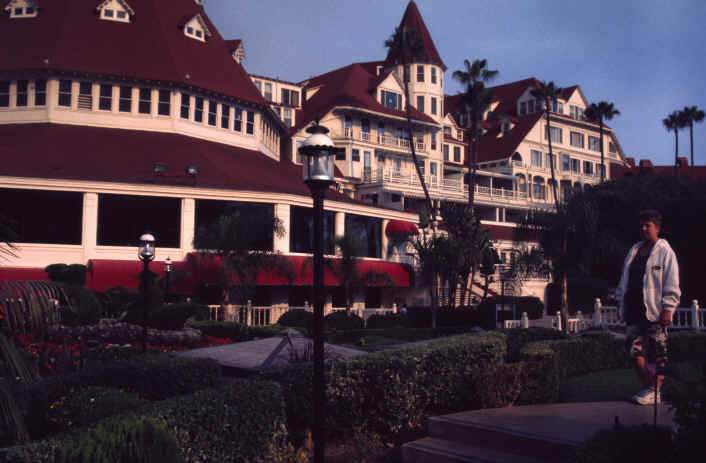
(348, 86)
(493, 148)
(12, 3)
(122, 3)
(186, 19)
(68, 38)
(412, 19)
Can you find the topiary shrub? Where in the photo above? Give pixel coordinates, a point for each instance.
(517, 338)
(122, 441)
(532, 305)
(296, 318)
(88, 405)
(390, 320)
(237, 332)
(340, 321)
(172, 316)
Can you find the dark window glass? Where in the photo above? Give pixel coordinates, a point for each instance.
(123, 218)
(457, 154)
(294, 98)
(259, 237)
(65, 93)
(145, 106)
(211, 112)
(21, 93)
(4, 94)
(420, 73)
(368, 230)
(164, 106)
(225, 116)
(433, 75)
(105, 100)
(301, 232)
(445, 148)
(433, 105)
(185, 105)
(238, 120)
(125, 105)
(250, 126)
(198, 110)
(53, 217)
(40, 92)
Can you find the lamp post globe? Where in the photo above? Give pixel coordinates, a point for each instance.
(146, 253)
(167, 274)
(318, 153)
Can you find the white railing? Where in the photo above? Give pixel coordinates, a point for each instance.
(385, 140)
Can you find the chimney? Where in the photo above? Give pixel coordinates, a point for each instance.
(645, 164)
(683, 162)
(630, 161)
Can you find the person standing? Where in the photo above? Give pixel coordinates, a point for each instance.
(648, 294)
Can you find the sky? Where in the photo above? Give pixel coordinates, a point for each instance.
(648, 57)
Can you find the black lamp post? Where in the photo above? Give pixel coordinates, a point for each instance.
(318, 152)
(146, 255)
(167, 273)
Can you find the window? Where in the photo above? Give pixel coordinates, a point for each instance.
(301, 230)
(365, 129)
(565, 163)
(549, 158)
(108, 13)
(558, 107)
(164, 104)
(23, 12)
(433, 105)
(41, 216)
(530, 106)
(122, 218)
(185, 105)
(536, 158)
(238, 120)
(397, 165)
(575, 165)
(577, 139)
(85, 96)
(212, 112)
(65, 93)
(40, 92)
(105, 98)
(258, 84)
(268, 91)
(287, 116)
(556, 133)
(125, 104)
(576, 112)
(341, 155)
(420, 103)
(420, 73)
(198, 109)
(381, 132)
(523, 108)
(457, 154)
(445, 149)
(145, 106)
(290, 97)
(112, 14)
(225, 116)
(433, 141)
(433, 75)
(368, 230)
(4, 94)
(250, 123)
(391, 99)
(612, 148)
(538, 191)
(432, 169)
(355, 155)
(588, 167)
(21, 97)
(594, 143)
(348, 126)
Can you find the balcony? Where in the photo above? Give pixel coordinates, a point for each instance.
(379, 140)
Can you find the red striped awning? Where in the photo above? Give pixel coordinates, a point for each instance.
(401, 227)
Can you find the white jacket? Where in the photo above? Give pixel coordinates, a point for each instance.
(660, 284)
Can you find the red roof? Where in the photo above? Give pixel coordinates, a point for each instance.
(412, 19)
(58, 151)
(492, 147)
(645, 167)
(351, 85)
(68, 37)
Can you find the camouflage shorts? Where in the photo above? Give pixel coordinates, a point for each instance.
(649, 341)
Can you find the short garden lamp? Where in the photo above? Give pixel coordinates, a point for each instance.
(317, 153)
(167, 273)
(146, 253)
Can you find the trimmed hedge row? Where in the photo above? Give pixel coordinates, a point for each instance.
(402, 334)
(240, 422)
(237, 332)
(387, 392)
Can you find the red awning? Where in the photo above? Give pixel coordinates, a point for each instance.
(108, 273)
(23, 274)
(401, 227)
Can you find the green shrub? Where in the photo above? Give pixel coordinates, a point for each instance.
(390, 320)
(391, 391)
(124, 441)
(116, 300)
(341, 321)
(172, 316)
(419, 317)
(686, 347)
(89, 405)
(266, 331)
(401, 334)
(517, 338)
(296, 318)
(237, 332)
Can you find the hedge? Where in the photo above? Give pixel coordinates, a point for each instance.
(340, 321)
(243, 421)
(382, 321)
(400, 333)
(518, 337)
(388, 392)
(237, 332)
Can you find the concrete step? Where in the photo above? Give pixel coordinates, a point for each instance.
(463, 429)
(436, 450)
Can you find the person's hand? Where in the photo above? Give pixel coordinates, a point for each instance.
(666, 318)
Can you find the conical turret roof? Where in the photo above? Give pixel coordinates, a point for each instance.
(412, 19)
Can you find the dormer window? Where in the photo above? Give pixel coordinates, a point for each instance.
(22, 9)
(115, 10)
(196, 28)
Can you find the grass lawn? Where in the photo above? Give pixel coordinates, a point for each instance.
(613, 385)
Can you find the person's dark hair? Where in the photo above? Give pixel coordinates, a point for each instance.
(651, 215)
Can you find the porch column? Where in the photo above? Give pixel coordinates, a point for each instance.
(188, 225)
(385, 242)
(339, 227)
(283, 213)
(89, 227)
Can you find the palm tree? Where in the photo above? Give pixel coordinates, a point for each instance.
(405, 44)
(675, 121)
(476, 99)
(599, 112)
(692, 114)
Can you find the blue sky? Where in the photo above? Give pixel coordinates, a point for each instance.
(646, 56)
